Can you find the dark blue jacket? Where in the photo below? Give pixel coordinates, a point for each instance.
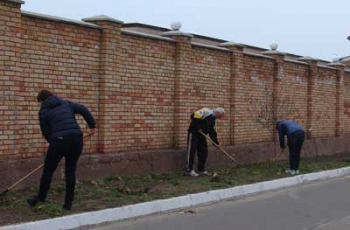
(57, 118)
(286, 128)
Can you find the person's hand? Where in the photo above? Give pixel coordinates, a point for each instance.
(216, 144)
(92, 131)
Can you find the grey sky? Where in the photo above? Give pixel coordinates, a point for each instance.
(316, 28)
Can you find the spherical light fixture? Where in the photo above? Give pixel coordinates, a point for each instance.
(273, 45)
(176, 25)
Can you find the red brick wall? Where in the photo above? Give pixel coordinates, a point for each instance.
(63, 58)
(146, 94)
(294, 87)
(209, 86)
(347, 102)
(10, 81)
(142, 90)
(324, 117)
(258, 76)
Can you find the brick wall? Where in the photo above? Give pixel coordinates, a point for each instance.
(142, 89)
(325, 103)
(11, 84)
(146, 96)
(347, 102)
(65, 59)
(294, 89)
(256, 84)
(208, 86)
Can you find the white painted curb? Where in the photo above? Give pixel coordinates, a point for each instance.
(158, 206)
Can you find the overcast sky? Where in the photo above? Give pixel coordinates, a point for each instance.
(316, 28)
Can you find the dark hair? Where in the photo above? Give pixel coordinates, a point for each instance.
(43, 95)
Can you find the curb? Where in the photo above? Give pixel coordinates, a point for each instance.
(159, 206)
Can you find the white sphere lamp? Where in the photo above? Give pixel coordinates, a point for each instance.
(273, 45)
(176, 25)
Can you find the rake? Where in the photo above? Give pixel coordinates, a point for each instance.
(219, 147)
(28, 175)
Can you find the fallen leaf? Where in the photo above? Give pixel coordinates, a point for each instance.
(190, 211)
(93, 182)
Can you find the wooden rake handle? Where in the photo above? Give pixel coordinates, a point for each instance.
(278, 156)
(29, 174)
(219, 147)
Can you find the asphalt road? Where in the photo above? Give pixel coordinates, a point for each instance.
(321, 205)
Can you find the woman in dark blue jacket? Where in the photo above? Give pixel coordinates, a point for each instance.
(60, 128)
(296, 137)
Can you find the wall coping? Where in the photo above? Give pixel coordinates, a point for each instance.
(296, 61)
(102, 17)
(274, 52)
(151, 36)
(258, 55)
(307, 58)
(210, 47)
(232, 44)
(15, 1)
(336, 65)
(326, 67)
(59, 19)
(177, 33)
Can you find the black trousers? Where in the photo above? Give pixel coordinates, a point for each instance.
(196, 143)
(295, 143)
(69, 147)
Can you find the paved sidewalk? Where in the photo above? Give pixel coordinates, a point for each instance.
(323, 205)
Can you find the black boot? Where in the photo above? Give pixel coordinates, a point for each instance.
(34, 201)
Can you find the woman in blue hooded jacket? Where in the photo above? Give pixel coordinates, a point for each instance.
(60, 128)
(296, 137)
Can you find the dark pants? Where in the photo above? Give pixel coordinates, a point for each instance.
(295, 142)
(69, 147)
(196, 143)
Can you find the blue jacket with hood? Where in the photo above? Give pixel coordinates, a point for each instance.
(57, 118)
(286, 128)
